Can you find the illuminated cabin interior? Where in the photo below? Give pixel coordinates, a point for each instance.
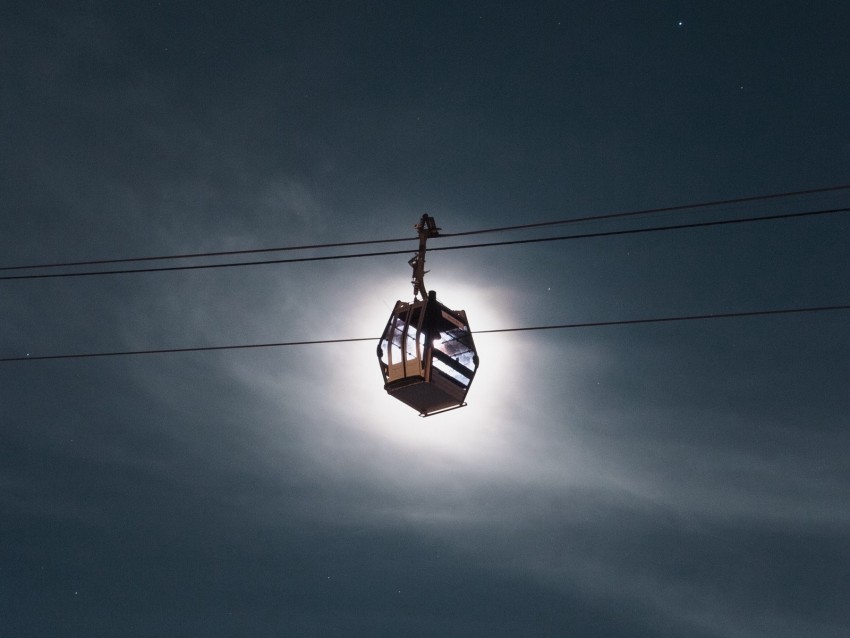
(427, 355)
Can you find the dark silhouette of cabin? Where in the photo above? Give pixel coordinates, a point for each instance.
(427, 355)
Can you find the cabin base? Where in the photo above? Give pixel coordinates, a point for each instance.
(424, 397)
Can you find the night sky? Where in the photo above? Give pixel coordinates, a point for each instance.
(671, 479)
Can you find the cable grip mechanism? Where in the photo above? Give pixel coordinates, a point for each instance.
(426, 228)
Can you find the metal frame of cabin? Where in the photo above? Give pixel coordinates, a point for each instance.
(427, 355)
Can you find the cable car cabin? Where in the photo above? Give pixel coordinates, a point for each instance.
(427, 355)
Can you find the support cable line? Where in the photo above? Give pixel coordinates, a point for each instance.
(563, 326)
(573, 220)
(610, 233)
(218, 253)
(652, 211)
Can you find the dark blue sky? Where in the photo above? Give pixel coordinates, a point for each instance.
(682, 479)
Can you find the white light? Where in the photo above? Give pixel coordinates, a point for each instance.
(470, 435)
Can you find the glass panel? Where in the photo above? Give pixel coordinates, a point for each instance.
(410, 343)
(395, 340)
(456, 343)
(450, 371)
(404, 358)
(411, 351)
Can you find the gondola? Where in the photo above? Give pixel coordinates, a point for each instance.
(426, 353)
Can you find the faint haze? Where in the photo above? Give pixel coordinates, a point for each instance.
(635, 480)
